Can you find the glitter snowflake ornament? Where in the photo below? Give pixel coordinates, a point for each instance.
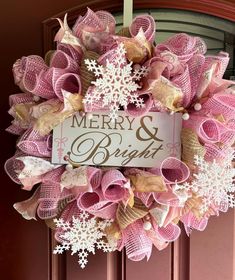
(83, 235)
(214, 182)
(116, 83)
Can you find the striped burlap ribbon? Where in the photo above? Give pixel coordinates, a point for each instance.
(146, 182)
(192, 204)
(191, 145)
(126, 215)
(87, 76)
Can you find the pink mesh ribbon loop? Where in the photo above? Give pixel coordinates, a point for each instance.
(157, 242)
(210, 130)
(183, 81)
(70, 51)
(221, 60)
(183, 45)
(221, 103)
(195, 65)
(213, 151)
(147, 24)
(51, 195)
(174, 170)
(138, 244)
(169, 233)
(69, 82)
(26, 69)
(190, 222)
(108, 21)
(12, 164)
(212, 72)
(32, 143)
(15, 129)
(39, 79)
(167, 198)
(89, 22)
(63, 61)
(146, 198)
(95, 204)
(94, 29)
(94, 177)
(20, 98)
(112, 185)
(34, 76)
(109, 55)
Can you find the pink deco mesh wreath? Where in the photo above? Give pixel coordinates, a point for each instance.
(93, 207)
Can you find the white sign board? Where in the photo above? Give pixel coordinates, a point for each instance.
(130, 141)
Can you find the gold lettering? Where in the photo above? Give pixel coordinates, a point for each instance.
(144, 128)
(92, 121)
(119, 122)
(107, 122)
(130, 122)
(83, 120)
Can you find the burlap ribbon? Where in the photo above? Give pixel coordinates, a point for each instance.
(191, 145)
(192, 204)
(147, 183)
(138, 49)
(128, 215)
(167, 93)
(58, 113)
(113, 231)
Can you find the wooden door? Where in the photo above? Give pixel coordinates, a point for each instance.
(26, 247)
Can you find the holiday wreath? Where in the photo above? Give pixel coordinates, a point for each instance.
(98, 198)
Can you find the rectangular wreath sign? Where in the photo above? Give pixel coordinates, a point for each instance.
(128, 141)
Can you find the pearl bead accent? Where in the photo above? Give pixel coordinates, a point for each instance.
(36, 98)
(147, 225)
(185, 116)
(197, 107)
(69, 167)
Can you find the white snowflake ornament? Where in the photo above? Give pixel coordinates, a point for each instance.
(214, 182)
(83, 235)
(116, 83)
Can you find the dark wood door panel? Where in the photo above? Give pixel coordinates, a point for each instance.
(212, 252)
(96, 267)
(158, 266)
